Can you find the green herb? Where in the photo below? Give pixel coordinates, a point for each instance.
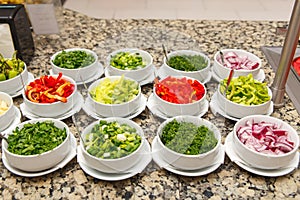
(188, 63)
(127, 61)
(112, 140)
(35, 138)
(73, 59)
(187, 138)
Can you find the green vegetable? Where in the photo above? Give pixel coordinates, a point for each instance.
(127, 61)
(35, 138)
(10, 67)
(115, 92)
(112, 140)
(73, 59)
(188, 63)
(246, 90)
(187, 138)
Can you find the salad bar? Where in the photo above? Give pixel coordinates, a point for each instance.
(131, 123)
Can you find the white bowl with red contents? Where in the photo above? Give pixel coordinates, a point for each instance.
(243, 63)
(179, 95)
(57, 104)
(265, 142)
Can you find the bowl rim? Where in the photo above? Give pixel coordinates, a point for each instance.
(186, 104)
(215, 130)
(74, 49)
(184, 52)
(25, 71)
(25, 98)
(148, 65)
(245, 106)
(35, 121)
(11, 102)
(95, 83)
(269, 118)
(139, 131)
(236, 51)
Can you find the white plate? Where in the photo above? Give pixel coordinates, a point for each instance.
(148, 79)
(200, 172)
(98, 73)
(64, 162)
(138, 168)
(162, 74)
(89, 110)
(15, 122)
(19, 92)
(230, 151)
(151, 104)
(260, 76)
(215, 108)
(76, 108)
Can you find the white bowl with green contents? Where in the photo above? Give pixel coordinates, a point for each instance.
(78, 63)
(188, 142)
(133, 63)
(115, 96)
(25, 149)
(245, 96)
(188, 63)
(112, 145)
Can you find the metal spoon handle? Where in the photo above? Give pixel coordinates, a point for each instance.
(165, 53)
(3, 137)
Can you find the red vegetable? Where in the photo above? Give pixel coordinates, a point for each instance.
(179, 90)
(296, 65)
(48, 89)
(265, 137)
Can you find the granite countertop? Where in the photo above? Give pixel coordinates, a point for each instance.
(229, 181)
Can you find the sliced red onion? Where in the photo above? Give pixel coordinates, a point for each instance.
(233, 60)
(265, 137)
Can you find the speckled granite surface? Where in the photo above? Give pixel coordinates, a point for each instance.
(229, 181)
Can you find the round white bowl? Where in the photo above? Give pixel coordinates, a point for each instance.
(261, 160)
(189, 162)
(13, 85)
(223, 72)
(238, 110)
(79, 74)
(173, 109)
(118, 165)
(138, 74)
(200, 75)
(7, 117)
(46, 160)
(51, 109)
(114, 110)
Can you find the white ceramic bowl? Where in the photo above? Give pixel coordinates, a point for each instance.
(46, 160)
(223, 72)
(189, 162)
(52, 109)
(138, 74)
(114, 110)
(200, 75)
(13, 85)
(238, 110)
(117, 165)
(261, 160)
(79, 74)
(7, 117)
(173, 109)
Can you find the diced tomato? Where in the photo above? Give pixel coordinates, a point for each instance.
(179, 90)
